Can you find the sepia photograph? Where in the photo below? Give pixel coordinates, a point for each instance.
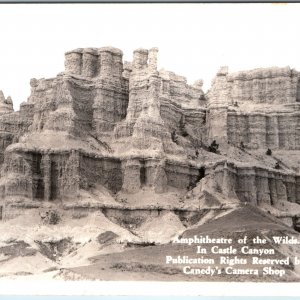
(149, 143)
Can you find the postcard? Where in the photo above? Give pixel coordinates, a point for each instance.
(150, 149)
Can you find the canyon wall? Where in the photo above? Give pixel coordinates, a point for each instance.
(278, 130)
(259, 108)
(258, 185)
(13, 124)
(127, 128)
(99, 106)
(266, 85)
(171, 101)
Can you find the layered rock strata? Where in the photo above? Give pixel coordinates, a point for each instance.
(104, 130)
(259, 108)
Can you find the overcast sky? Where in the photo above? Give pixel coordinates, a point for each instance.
(194, 40)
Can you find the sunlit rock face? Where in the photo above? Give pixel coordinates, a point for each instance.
(259, 108)
(108, 129)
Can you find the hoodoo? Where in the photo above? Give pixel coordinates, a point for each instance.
(105, 133)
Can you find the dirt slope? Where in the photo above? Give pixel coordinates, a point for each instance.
(149, 263)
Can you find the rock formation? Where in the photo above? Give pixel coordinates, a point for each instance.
(113, 130)
(259, 108)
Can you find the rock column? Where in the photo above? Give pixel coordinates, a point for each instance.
(73, 62)
(140, 58)
(46, 169)
(152, 56)
(131, 170)
(89, 62)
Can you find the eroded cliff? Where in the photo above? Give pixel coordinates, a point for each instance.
(125, 137)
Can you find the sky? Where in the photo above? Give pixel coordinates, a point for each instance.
(194, 40)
